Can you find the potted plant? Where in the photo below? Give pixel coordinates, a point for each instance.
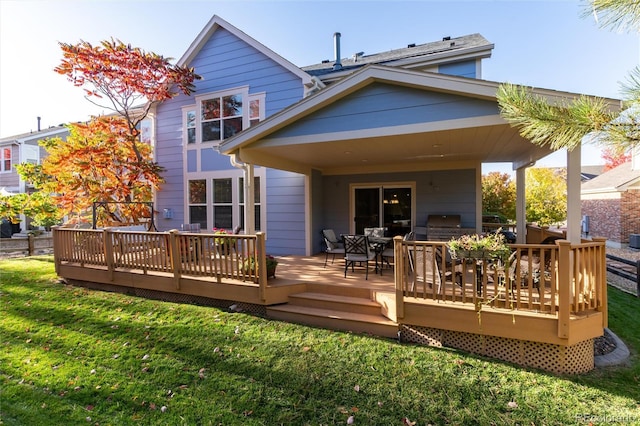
(223, 243)
(489, 246)
(250, 266)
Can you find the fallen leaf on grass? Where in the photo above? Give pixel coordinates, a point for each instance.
(350, 420)
(356, 388)
(512, 404)
(406, 421)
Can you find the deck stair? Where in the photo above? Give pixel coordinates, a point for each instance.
(336, 312)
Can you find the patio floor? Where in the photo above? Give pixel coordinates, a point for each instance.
(310, 269)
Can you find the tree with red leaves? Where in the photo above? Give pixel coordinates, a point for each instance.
(105, 159)
(612, 158)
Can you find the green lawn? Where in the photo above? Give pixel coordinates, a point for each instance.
(75, 356)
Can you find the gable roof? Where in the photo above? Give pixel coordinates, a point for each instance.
(35, 135)
(217, 22)
(618, 179)
(480, 138)
(473, 46)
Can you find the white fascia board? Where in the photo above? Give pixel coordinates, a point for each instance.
(479, 52)
(216, 22)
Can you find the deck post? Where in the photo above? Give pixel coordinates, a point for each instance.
(601, 261)
(55, 235)
(31, 244)
(564, 287)
(398, 255)
(107, 240)
(262, 266)
(175, 256)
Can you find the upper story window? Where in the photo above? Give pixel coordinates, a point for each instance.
(221, 115)
(5, 159)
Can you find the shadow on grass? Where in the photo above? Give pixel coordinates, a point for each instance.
(226, 367)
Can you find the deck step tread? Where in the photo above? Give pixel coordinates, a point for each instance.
(335, 298)
(333, 314)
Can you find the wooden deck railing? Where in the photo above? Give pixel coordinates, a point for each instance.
(562, 279)
(181, 254)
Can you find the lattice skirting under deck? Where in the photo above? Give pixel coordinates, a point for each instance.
(558, 359)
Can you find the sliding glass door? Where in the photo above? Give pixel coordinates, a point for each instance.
(378, 205)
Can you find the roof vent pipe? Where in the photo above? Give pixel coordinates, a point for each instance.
(38, 123)
(336, 45)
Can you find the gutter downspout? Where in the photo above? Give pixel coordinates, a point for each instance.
(248, 191)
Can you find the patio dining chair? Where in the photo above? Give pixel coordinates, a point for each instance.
(357, 250)
(425, 268)
(375, 232)
(332, 244)
(388, 252)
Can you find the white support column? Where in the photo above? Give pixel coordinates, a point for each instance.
(249, 201)
(574, 217)
(521, 206)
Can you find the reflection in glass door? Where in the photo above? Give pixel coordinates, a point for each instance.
(396, 203)
(383, 206)
(367, 209)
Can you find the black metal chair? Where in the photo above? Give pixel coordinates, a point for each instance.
(357, 250)
(333, 246)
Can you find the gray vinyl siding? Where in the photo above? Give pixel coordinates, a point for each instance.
(285, 213)
(462, 69)
(224, 62)
(384, 105)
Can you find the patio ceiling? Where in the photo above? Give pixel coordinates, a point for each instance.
(428, 150)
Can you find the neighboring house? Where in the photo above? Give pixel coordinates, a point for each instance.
(374, 140)
(590, 172)
(611, 201)
(24, 148)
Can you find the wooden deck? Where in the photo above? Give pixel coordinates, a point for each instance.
(435, 302)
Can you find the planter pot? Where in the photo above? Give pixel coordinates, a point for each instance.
(478, 254)
(271, 271)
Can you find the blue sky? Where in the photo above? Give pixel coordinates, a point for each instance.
(539, 43)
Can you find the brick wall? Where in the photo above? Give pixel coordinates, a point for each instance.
(630, 214)
(604, 218)
(614, 219)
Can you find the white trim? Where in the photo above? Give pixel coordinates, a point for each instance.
(604, 195)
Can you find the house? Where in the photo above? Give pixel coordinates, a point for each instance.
(24, 148)
(611, 201)
(372, 140)
(384, 140)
